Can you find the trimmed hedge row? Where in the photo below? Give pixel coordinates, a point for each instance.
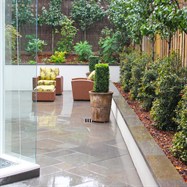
(179, 148)
(158, 85)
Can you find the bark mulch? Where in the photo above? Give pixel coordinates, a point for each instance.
(163, 138)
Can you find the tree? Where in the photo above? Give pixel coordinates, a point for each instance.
(167, 15)
(86, 13)
(129, 16)
(22, 13)
(67, 32)
(52, 17)
(117, 13)
(140, 18)
(150, 26)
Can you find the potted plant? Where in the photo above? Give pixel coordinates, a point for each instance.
(100, 96)
(93, 60)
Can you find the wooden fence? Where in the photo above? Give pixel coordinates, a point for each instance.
(179, 44)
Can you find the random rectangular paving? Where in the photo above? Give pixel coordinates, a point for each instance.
(76, 153)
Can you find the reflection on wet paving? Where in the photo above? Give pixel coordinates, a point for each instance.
(73, 152)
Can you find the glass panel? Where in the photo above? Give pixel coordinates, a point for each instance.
(19, 127)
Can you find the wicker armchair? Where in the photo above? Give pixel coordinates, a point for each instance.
(81, 88)
(49, 76)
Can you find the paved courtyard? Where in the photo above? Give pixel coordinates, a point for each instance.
(72, 151)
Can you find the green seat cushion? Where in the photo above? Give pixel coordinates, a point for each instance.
(45, 88)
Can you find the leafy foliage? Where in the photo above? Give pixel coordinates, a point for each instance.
(137, 72)
(169, 87)
(84, 50)
(34, 45)
(117, 14)
(32, 62)
(147, 90)
(11, 35)
(86, 12)
(179, 147)
(179, 144)
(110, 46)
(67, 32)
(126, 64)
(170, 82)
(166, 15)
(93, 60)
(58, 57)
(129, 16)
(138, 18)
(52, 16)
(101, 82)
(22, 12)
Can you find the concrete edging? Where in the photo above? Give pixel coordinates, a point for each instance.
(138, 160)
(152, 165)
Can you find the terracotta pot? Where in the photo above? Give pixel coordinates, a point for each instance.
(100, 106)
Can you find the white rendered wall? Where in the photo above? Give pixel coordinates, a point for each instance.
(24, 82)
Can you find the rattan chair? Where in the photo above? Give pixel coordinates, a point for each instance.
(81, 88)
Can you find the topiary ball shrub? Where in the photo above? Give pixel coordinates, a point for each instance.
(101, 82)
(93, 60)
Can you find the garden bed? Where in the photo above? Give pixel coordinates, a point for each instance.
(42, 59)
(163, 138)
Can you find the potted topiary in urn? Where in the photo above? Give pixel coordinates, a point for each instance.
(100, 96)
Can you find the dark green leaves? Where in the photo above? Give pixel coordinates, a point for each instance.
(53, 15)
(101, 82)
(22, 12)
(86, 12)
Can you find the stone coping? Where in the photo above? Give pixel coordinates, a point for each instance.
(160, 166)
(54, 64)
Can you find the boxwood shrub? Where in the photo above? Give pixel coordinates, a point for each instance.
(101, 82)
(126, 64)
(179, 144)
(170, 82)
(147, 90)
(93, 60)
(137, 73)
(168, 94)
